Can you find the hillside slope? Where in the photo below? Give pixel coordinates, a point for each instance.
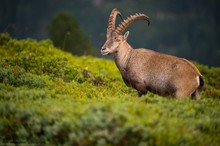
(50, 97)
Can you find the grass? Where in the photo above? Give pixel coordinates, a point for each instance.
(50, 97)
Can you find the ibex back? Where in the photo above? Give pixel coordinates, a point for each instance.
(147, 70)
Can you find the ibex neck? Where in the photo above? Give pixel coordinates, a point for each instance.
(123, 56)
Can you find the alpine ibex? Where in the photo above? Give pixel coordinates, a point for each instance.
(147, 70)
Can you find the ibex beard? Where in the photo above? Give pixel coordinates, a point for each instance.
(146, 70)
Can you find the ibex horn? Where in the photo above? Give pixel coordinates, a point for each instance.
(112, 19)
(125, 23)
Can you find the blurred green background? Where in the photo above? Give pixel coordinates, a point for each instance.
(184, 28)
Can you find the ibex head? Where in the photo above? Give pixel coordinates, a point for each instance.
(114, 36)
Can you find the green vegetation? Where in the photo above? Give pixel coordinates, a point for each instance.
(50, 97)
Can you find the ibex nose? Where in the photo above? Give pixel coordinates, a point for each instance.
(104, 50)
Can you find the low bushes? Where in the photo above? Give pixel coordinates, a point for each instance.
(49, 97)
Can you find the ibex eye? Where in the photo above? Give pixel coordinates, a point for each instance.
(117, 39)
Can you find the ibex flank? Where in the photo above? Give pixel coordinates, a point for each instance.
(146, 70)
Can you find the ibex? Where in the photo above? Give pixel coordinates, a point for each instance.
(146, 70)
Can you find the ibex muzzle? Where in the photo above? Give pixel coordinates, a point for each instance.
(146, 70)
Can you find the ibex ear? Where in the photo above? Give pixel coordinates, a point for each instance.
(126, 35)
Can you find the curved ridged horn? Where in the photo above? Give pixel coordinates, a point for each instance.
(124, 24)
(112, 19)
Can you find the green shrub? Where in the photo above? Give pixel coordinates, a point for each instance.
(124, 123)
(66, 34)
(17, 77)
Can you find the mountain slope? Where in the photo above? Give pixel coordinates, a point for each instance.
(50, 97)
